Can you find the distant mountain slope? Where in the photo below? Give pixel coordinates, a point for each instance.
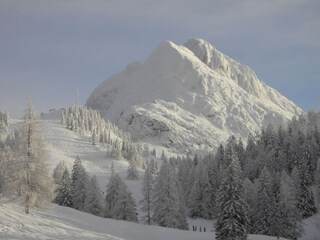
(189, 97)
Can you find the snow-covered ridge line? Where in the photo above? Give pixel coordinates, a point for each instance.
(243, 75)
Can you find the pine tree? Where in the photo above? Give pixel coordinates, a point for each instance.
(264, 220)
(93, 200)
(232, 222)
(250, 196)
(201, 203)
(317, 183)
(125, 206)
(34, 185)
(291, 226)
(64, 191)
(80, 184)
(119, 203)
(58, 171)
(94, 137)
(305, 198)
(168, 206)
(132, 172)
(147, 189)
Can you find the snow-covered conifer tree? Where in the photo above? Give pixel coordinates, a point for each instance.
(264, 220)
(64, 190)
(125, 206)
(58, 171)
(290, 224)
(232, 222)
(93, 200)
(34, 185)
(132, 172)
(119, 203)
(250, 196)
(305, 198)
(168, 204)
(147, 188)
(94, 137)
(201, 204)
(80, 184)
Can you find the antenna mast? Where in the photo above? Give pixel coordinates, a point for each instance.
(77, 93)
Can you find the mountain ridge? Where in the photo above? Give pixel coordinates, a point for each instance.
(189, 97)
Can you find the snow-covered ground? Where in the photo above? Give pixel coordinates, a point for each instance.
(66, 223)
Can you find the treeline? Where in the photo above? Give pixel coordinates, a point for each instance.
(80, 191)
(86, 121)
(266, 187)
(4, 119)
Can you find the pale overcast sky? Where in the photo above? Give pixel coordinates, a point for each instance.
(49, 48)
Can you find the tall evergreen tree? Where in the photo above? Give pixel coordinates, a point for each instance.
(147, 189)
(250, 196)
(64, 191)
(58, 171)
(232, 222)
(265, 205)
(291, 226)
(132, 172)
(80, 184)
(93, 200)
(168, 206)
(125, 207)
(119, 203)
(201, 202)
(34, 186)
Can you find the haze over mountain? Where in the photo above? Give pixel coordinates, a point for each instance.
(190, 97)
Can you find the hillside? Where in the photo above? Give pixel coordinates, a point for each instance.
(66, 223)
(189, 97)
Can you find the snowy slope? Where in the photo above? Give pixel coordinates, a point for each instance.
(189, 97)
(66, 223)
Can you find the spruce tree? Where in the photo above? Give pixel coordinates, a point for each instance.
(119, 203)
(291, 226)
(264, 218)
(125, 207)
(132, 172)
(147, 189)
(305, 198)
(201, 202)
(250, 196)
(232, 221)
(58, 171)
(168, 204)
(80, 184)
(64, 191)
(93, 200)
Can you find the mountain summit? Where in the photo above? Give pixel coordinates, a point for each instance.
(189, 97)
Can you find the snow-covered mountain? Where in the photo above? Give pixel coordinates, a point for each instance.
(189, 97)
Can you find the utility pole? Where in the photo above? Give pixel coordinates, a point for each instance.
(77, 93)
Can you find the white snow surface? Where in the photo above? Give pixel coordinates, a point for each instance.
(189, 97)
(66, 223)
